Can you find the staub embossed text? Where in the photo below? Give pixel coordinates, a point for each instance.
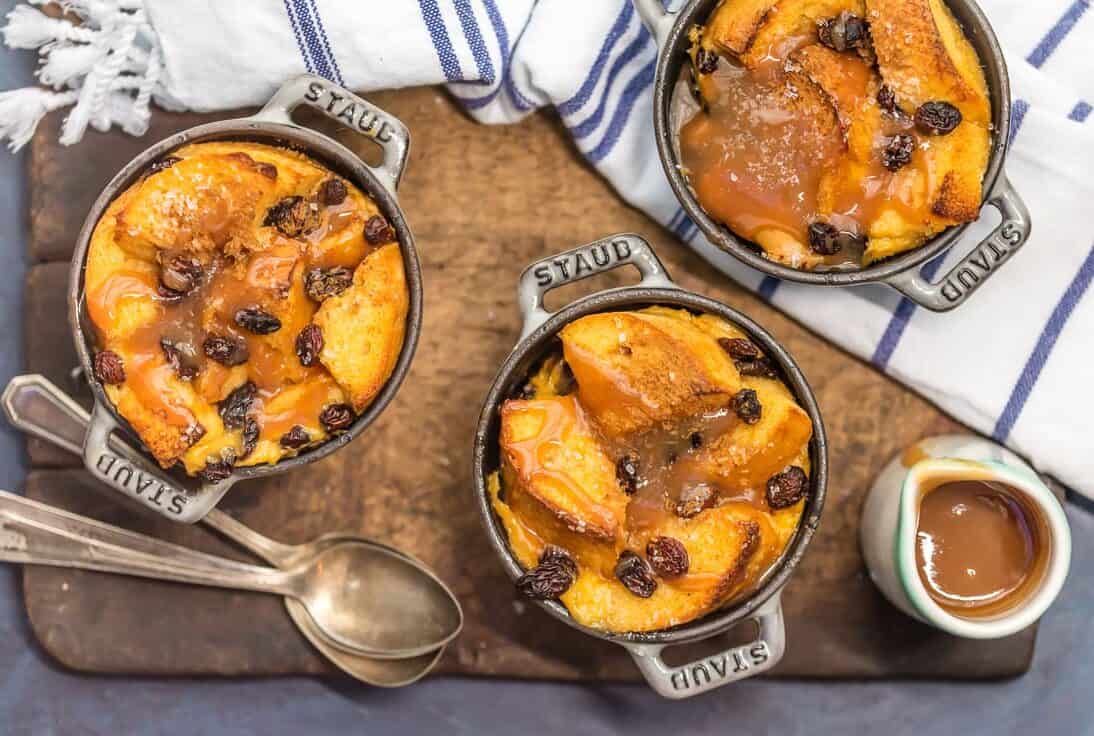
(349, 110)
(712, 671)
(584, 262)
(139, 484)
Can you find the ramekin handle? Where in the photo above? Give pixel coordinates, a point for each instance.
(980, 263)
(122, 468)
(716, 670)
(580, 263)
(656, 17)
(344, 107)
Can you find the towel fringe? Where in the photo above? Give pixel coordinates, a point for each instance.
(109, 68)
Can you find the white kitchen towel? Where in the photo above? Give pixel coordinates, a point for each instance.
(1016, 362)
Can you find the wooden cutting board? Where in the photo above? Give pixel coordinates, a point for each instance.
(483, 202)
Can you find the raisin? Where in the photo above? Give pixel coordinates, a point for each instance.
(824, 238)
(267, 170)
(217, 470)
(635, 574)
(667, 556)
(293, 216)
(898, 152)
(180, 357)
(250, 436)
(937, 118)
(527, 392)
(258, 321)
(759, 368)
(886, 99)
(193, 434)
(236, 405)
(740, 349)
(323, 283)
(332, 192)
(747, 406)
(845, 31)
(167, 296)
(552, 577)
(109, 367)
(695, 440)
(626, 472)
(309, 343)
(786, 488)
(226, 350)
(295, 438)
(706, 61)
(694, 498)
(377, 230)
(337, 417)
(181, 274)
(164, 163)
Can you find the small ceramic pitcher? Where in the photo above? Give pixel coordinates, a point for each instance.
(891, 513)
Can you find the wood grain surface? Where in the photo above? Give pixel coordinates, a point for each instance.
(482, 202)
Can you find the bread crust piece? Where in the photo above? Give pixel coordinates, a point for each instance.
(364, 326)
(923, 56)
(793, 21)
(559, 480)
(621, 361)
(734, 23)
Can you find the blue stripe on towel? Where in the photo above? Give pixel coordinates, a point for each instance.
(1080, 112)
(1058, 33)
(450, 63)
(767, 287)
(299, 39)
(576, 102)
(589, 125)
(887, 345)
(473, 35)
(310, 31)
(671, 224)
(639, 84)
(1043, 348)
(326, 42)
(501, 33)
(1017, 117)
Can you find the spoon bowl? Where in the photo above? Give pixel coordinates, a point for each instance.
(409, 611)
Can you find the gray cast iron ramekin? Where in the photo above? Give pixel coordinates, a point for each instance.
(135, 474)
(539, 337)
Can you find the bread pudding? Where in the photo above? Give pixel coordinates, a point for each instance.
(834, 133)
(653, 468)
(248, 303)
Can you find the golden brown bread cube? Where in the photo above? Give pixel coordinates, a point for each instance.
(558, 478)
(363, 327)
(728, 548)
(792, 19)
(923, 56)
(636, 370)
(733, 24)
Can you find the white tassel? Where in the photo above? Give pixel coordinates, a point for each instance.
(22, 109)
(28, 28)
(65, 64)
(109, 67)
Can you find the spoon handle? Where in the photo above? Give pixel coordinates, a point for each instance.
(32, 533)
(38, 407)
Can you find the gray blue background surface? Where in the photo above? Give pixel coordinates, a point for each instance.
(39, 698)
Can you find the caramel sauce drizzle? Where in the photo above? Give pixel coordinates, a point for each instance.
(757, 165)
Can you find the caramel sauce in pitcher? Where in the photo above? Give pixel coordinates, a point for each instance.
(980, 547)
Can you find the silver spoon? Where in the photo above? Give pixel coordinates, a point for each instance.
(409, 618)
